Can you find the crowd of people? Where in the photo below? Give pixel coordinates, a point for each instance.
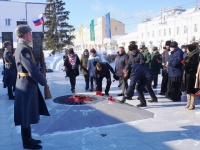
(180, 73)
(141, 66)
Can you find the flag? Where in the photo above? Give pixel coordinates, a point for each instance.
(107, 24)
(81, 32)
(92, 34)
(39, 20)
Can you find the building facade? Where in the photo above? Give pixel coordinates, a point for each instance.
(14, 13)
(175, 24)
(82, 35)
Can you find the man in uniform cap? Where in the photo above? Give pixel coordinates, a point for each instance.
(29, 102)
(9, 78)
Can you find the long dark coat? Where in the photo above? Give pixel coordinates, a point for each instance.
(72, 70)
(29, 102)
(120, 62)
(190, 68)
(156, 63)
(10, 72)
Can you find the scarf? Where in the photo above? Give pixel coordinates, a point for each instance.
(72, 59)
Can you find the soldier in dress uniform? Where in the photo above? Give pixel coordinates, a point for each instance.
(10, 75)
(29, 102)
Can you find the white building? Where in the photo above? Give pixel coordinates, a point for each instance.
(13, 13)
(175, 24)
(82, 35)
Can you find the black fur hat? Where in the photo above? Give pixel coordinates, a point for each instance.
(132, 42)
(132, 47)
(6, 43)
(22, 29)
(167, 43)
(191, 47)
(174, 44)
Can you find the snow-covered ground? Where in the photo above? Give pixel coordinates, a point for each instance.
(172, 127)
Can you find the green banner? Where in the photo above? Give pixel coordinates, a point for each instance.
(92, 34)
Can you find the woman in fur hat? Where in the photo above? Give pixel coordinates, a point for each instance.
(190, 64)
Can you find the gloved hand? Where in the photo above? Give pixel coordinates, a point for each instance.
(115, 77)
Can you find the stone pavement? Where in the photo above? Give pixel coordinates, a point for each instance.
(171, 127)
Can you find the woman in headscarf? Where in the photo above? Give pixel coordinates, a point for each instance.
(72, 63)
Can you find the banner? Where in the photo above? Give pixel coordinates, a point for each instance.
(39, 20)
(92, 34)
(107, 24)
(81, 32)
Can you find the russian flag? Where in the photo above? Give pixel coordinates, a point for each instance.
(39, 21)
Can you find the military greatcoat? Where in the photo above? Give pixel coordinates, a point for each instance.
(29, 102)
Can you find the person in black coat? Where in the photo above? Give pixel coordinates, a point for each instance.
(29, 102)
(121, 61)
(72, 63)
(102, 70)
(141, 75)
(175, 73)
(190, 65)
(10, 71)
(134, 57)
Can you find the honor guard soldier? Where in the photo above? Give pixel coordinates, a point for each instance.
(10, 75)
(29, 102)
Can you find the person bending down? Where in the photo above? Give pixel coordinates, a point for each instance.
(103, 70)
(141, 75)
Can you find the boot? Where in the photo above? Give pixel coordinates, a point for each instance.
(142, 104)
(10, 93)
(192, 103)
(123, 100)
(28, 142)
(188, 101)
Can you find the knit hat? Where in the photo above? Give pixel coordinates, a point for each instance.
(86, 52)
(167, 43)
(191, 47)
(22, 29)
(132, 47)
(142, 47)
(174, 44)
(93, 51)
(71, 51)
(6, 43)
(154, 48)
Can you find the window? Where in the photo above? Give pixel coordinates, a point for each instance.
(169, 31)
(185, 29)
(164, 32)
(177, 30)
(148, 34)
(142, 35)
(153, 34)
(7, 21)
(195, 27)
(115, 29)
(159, 32)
